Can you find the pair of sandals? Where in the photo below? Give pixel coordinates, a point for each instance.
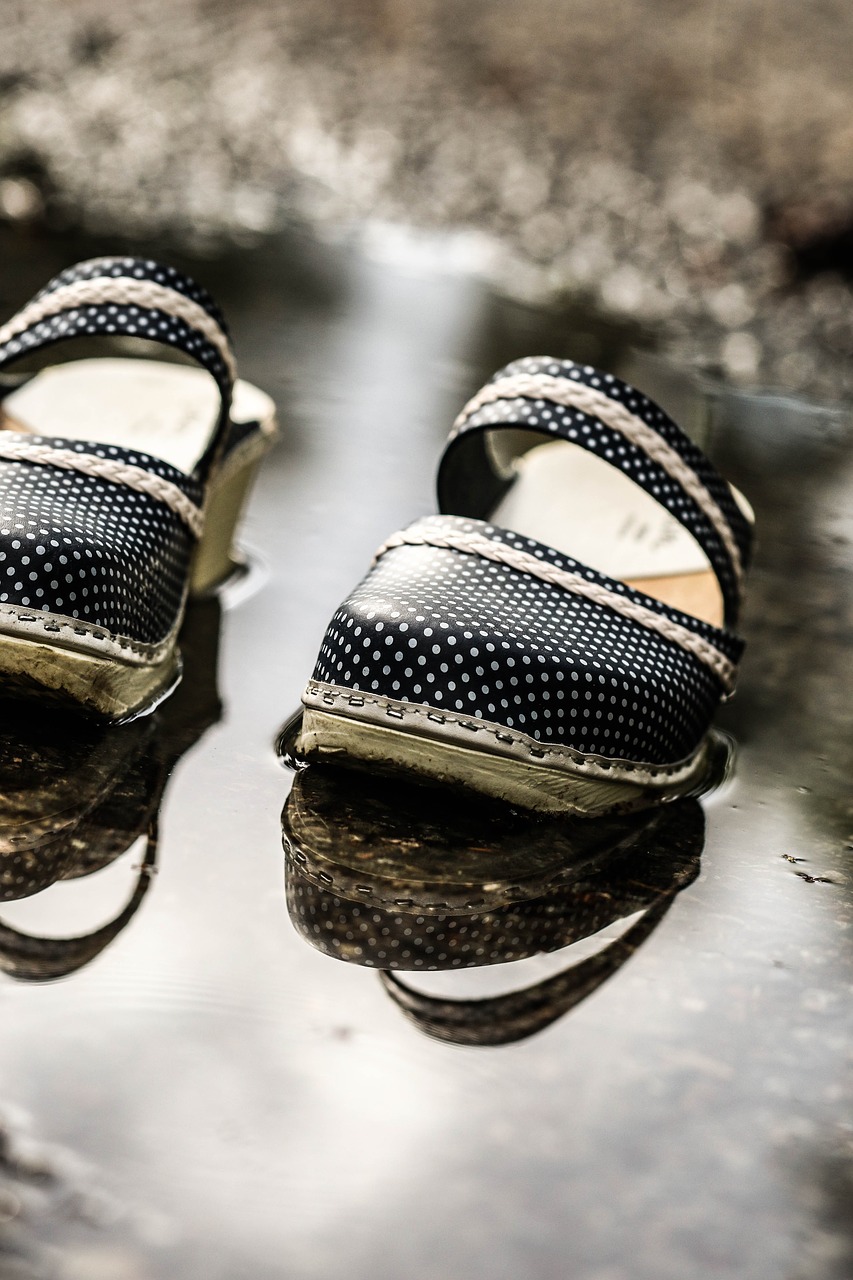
(559, 637)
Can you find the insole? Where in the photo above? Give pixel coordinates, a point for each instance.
(573, 501)
(165, 410)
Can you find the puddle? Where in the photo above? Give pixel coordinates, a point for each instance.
(400, 878)
(620, 1057)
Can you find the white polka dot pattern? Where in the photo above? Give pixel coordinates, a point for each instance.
(80, 546)
(139, 298)
(16, 448)
(463, 634)
(474, 544)
(137, 269)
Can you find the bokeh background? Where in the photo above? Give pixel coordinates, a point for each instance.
(391, 199)
(687, 164)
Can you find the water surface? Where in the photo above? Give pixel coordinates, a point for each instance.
(190, 1090)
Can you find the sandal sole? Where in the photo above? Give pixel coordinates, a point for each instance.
(568, 783)
(101, 685)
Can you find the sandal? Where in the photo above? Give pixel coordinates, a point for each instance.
(561, 636)
(121, 483)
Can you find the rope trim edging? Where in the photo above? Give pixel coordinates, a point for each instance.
(122, 291)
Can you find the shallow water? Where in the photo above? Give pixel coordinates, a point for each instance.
(657, 1085)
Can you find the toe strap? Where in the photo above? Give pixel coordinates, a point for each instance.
(463, 539)
(17, 448)
(461, 617)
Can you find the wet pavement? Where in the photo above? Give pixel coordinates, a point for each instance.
(612, 1051)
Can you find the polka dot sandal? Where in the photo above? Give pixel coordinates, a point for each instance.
(121, 483)
(561, 636)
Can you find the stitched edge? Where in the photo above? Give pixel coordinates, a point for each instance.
(378, 710)
(355, 891)
(69, 633)
(576, 395)
(485, 548)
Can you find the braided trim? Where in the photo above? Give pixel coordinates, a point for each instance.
(137, 269)
(576, 395)
(121, 473)
(122, 291)
(474, 544)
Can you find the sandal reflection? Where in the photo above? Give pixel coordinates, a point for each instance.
(399, 877)
(76, 794)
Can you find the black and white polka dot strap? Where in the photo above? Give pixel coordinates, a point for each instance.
(718, 651)
(599, 412)
(144, 474)
(128, 297)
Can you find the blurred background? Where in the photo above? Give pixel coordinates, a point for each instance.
(687, 164)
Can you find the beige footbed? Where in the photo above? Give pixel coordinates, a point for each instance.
(569, 499)
(164, 410)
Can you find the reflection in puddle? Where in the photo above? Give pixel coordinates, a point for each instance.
(272, 1108)
(400, 877)
(76, 794)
